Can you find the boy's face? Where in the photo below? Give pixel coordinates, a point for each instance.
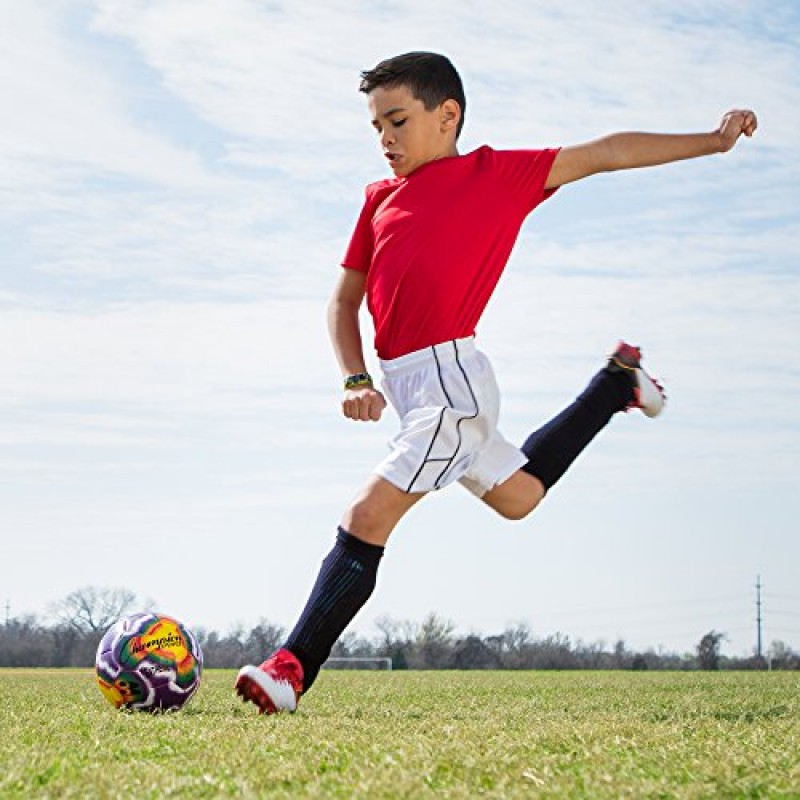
(410, 134)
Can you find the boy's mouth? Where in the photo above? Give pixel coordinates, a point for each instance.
(397, 162)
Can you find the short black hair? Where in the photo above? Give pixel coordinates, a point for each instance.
(430, 77)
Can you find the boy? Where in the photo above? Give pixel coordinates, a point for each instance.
(427, 251)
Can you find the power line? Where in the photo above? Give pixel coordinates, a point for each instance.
(670, 604)
(783, 596)
(782, 631)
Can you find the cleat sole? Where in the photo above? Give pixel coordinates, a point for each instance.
(251, 692)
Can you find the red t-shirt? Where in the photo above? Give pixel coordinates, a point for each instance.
(435, 243)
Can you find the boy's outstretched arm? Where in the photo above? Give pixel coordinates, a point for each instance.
(364, 403)
(630, 150)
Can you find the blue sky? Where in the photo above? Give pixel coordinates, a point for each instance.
(178, 182)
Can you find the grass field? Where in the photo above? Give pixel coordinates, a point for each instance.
(413, 735)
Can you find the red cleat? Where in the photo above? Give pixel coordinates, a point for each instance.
(274, 686)
(648, 394)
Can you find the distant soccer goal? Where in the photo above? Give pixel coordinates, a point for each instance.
(358, 662)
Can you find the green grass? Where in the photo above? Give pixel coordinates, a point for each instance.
(413, 735)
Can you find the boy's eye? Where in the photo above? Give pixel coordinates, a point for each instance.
(398, 123)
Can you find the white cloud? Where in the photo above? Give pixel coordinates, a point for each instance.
(164, 355)
(69, 113)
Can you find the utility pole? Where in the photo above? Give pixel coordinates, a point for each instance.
(758, 614)
(8, 611)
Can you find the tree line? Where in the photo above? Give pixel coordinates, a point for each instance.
(78, 622)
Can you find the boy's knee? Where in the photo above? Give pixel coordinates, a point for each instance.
(517, 497)
(364, 518)
(373, 515)
(517, 511)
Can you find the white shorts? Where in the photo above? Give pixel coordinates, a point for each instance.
(448, 401)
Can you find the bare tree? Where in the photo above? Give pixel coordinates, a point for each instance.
(473, 653)
(262, 641)
(781, 656)
(396, 631)
(512, 645)
(397, 640)
(708, 650)
(93, 609)
(435, 630)
(433, 642)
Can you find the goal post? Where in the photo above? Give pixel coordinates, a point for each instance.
(359, 662)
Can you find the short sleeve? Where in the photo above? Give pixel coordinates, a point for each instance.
(359, 252)
(526, 172)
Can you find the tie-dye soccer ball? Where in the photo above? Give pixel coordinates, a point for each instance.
(148, 662)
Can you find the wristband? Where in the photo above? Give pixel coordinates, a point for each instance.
(358, 380)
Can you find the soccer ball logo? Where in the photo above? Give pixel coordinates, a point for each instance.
(148, 662)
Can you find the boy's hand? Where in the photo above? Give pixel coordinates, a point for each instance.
(733, 125)
(364, 403)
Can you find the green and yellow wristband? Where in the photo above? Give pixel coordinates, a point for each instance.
(358, 380)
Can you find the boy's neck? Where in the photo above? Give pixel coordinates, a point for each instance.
(450, 153)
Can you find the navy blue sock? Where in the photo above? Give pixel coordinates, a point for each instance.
(344, 584)
(553, 448)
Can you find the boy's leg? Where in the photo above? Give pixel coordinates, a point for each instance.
(553, 448)
(348, 574)
(377, 509)
(517, 496)
(620, 385)
(345, 582)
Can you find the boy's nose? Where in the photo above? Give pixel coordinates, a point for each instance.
(387, 139)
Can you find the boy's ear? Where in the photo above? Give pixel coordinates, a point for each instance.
(450, 114)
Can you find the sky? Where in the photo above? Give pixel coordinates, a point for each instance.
(178, 183)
